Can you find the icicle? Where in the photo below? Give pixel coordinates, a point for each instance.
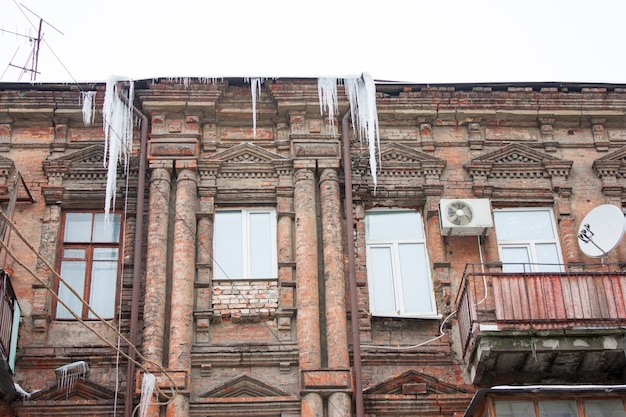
(21, 390)
(361, 94)
(327, 93)
(88, 107)
(117, 122)
(255, 87)
(147, 389)
(68, 375)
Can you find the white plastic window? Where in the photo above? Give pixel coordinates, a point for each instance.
(244, 244)
(397, 264)
(528, 240)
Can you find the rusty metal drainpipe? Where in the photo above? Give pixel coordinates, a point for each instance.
(354, 304)
(134, 309)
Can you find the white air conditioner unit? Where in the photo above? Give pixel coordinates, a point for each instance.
(465, 217)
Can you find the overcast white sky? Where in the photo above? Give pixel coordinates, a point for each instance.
(436, 41)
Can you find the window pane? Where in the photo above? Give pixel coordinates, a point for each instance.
(78, 227)
(523, 224)
(261, 246)
(396, 225)
(74, 253)
(105, 254)
(515, 259)
(558, 409)
(380, 268)
(605, 408)
(415, 283)
(228, 245)
(106, 232)
(102, 291)
(515, 409)
(73, 272)
(548, 256)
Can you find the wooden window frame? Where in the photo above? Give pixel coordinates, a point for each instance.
(89, 247)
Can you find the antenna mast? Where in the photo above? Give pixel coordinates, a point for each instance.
(33, 58)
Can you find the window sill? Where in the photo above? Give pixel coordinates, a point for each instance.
(425, 316)
(243, 279)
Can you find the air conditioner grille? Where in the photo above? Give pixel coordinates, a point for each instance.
(459, 213)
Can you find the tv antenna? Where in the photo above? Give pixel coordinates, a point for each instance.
(601, 231)
(32, 63)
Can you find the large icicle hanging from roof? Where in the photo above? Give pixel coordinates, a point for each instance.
(361, 92)
(255, 87)
(117, 122)
(327, 92)
(89, 103)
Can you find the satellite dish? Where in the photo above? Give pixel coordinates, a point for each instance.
(601, 231)
(459, 213)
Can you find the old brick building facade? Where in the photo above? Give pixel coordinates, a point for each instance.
(227, 262)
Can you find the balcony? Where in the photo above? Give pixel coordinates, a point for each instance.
(529, 327)
(9, 322)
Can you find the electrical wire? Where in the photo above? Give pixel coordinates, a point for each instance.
(441, 334)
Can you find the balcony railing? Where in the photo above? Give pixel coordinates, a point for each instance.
(9, 317)
(588, 297)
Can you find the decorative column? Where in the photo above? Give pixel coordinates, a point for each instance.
(156, 270)
(183, 273)
(156, 265)
(335, 288)
(307, 293)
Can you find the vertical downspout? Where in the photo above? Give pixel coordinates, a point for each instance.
(134, 309)
(354, 305)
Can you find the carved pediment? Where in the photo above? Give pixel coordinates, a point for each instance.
(246, 153)
(518, 161)
(398, 159)
(84, 164)
(244, 386)
(82, 389)
(611, 165)
(245, 160)
(79, 179)
(413, 383)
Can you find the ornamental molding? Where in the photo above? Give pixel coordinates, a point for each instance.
(404, 174)
(495, 174)
(84, 164)
(517, 161)
(83, 390)
(398, 385)
(398, 160)
(245, 160)
(611, 165)
(611, 170)
(244, 386)
(79, 178)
